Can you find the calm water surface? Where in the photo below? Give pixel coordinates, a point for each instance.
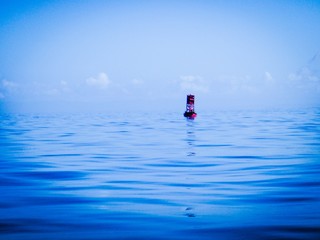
(225, 175)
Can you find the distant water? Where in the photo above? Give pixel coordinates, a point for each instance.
(225, 175)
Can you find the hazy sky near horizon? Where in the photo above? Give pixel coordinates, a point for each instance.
(119, 55)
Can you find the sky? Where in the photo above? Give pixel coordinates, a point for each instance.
(83, 56)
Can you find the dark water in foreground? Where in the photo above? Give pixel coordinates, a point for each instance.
(226, 175)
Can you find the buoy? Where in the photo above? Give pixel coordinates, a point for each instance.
(190, 113)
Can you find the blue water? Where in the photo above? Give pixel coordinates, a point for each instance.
(225, 175)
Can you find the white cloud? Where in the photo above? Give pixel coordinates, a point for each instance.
(269, 80)
(63, 83)
(137, 81)
(64, 86)
(234, 85)
(8, 88)
(9, 84)
(193, 83)
(52, 92)
(308, 77)
(102, 81)
(305, 79)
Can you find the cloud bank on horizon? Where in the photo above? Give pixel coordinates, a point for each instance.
(108, 55)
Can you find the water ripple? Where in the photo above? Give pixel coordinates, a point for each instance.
(227, 175)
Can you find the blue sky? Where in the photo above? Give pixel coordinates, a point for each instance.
(120, 55)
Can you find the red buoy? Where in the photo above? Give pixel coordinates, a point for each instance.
(190, 113)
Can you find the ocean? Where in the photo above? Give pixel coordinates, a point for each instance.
(224, 175)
